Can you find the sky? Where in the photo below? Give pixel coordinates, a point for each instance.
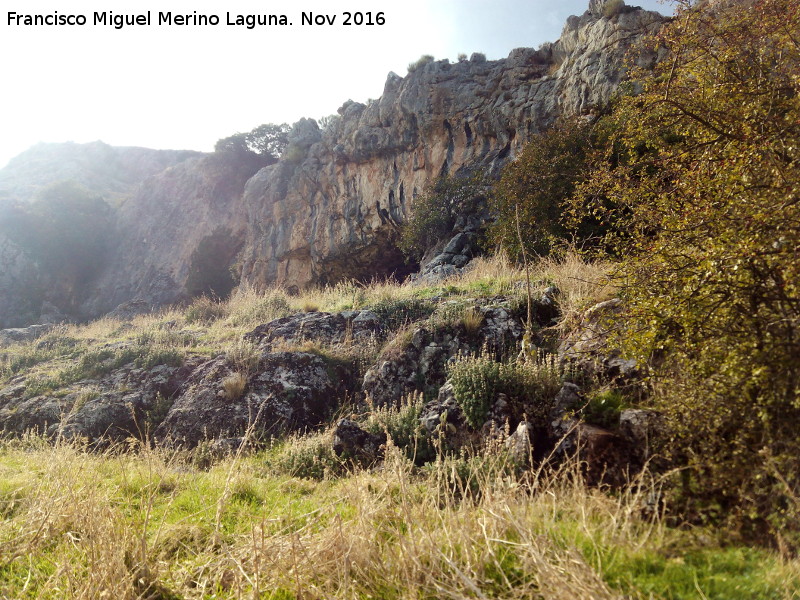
(186, 86)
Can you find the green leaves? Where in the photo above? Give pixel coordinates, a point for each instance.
(701, 182)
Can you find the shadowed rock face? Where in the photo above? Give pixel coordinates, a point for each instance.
(331, 208)
(334, 210)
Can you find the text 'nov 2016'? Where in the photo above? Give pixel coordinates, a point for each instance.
(193, 19)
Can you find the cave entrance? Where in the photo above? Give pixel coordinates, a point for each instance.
(210, 265)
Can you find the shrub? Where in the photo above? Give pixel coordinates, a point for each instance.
(530, 199)
(307, 457)
(530, 385)
(703, 187)
(434, 213)
(603, 409)
(423, 60)
(613, 7)
(401, 424)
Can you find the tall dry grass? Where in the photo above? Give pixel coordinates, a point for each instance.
(150, 525)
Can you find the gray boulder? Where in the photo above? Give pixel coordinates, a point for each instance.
(352, 442)
(328, 328)
(286, 391)
(23, 335)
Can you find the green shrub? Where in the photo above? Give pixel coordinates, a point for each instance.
(603, 409)
(434, 213)
(530, 385)
(703, 189)
(423, 60)
(530, 199)
(402, 425)
(307, 457)
(613, 7)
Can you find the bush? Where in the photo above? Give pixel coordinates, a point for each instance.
(434, 213)
(704, 189)
(307, 457)
(530, 386)
(402, 425)
(423, 60)
(604, 408)
(612, 8)
(530, 199)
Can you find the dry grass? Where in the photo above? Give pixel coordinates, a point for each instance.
(234, 385)
(78, 525)
(472, 320)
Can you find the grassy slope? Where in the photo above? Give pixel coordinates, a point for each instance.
(141, 523)
(117, 525)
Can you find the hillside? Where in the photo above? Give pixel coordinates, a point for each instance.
(330, 209)
(526, 328)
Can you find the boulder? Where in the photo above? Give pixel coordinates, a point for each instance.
(128, 402)
(352, 442)
(327, 328)
(286, 391)
(23, 335)
(640, 428)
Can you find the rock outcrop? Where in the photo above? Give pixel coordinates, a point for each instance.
(330, 209)
(287, 391)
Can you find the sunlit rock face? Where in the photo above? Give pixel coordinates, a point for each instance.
(332, 209)
(185, 224)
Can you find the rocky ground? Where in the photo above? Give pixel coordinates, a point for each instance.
(213, 374)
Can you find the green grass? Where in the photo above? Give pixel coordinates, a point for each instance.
(93, 525)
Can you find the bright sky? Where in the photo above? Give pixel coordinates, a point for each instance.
(184, 87)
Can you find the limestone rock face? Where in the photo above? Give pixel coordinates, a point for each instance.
(331, 210)
(177, 236)
(20, 289)
(288, 391)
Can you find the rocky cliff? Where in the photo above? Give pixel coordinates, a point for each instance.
(331, 208)
(334, 212)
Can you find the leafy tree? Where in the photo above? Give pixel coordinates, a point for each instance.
(263, 145)
(703, 183)
(528, 201)
(434, 213)
(268, 139)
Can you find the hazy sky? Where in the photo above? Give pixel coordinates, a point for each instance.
(185, 86)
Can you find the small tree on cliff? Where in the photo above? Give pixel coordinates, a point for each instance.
(265, 143)
(435, 211)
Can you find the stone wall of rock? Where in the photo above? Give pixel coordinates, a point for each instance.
(20, 290)
(332, 210)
